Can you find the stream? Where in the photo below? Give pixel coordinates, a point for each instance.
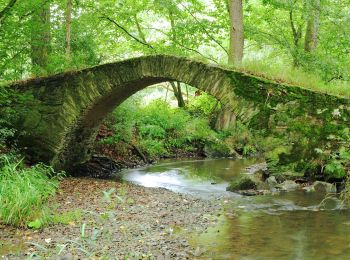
(293, 225)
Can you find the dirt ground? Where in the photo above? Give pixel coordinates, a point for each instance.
(101, 219)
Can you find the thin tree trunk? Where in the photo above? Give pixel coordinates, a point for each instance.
(178, 93)
(68, 27)
(172, 23)
(40, 40)
(166, 94)
(312, 26)
(187, 94)
(235, 9)
(297, 33)
(139, 30)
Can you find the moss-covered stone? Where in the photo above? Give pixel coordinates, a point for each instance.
(242, 182)
(59, 126)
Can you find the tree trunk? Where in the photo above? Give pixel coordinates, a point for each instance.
(312, 26)
(235, 9)
(172, 25)
(297, 33)
(178, 93)
(68, 27)
(40, 40)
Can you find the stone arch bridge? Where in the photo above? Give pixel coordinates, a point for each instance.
(60, 123)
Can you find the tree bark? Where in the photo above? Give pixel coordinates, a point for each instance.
(297, 34)
(178, 93)
(68, 27)
(235, 10)
(172, 23)
(312, 26)
(40, 39)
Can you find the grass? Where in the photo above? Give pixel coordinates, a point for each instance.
(24, 192)
(294, 76)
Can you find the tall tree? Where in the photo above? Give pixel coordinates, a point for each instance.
(40, 38)
(313, 16)
(235, 10)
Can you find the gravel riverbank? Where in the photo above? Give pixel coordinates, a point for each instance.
(97, 219)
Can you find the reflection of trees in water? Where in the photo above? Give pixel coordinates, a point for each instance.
(291, 235)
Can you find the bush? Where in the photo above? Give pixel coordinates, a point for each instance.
(159, 129)
(24, 191)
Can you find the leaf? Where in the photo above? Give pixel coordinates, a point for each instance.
(36, 224)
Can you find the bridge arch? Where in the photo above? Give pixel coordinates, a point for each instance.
(61, 124)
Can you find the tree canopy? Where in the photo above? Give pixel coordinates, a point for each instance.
(42, 37)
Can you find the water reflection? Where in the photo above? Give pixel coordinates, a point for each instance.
(291, 235)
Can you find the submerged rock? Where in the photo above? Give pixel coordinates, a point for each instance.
(251, 192)
(309, 188)
(324, 187)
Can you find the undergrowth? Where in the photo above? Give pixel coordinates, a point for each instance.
(160, 130)
(24, 192)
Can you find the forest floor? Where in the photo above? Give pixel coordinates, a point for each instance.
(102, 218)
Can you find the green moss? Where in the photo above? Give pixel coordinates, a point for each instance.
(241, 182)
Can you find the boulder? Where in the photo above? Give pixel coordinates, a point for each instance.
(324, 187)
(289, 185)
(242, 182)
(271, 181)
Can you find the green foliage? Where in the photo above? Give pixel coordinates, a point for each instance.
(345, 193)
(203, 105)
(24, 192)
(9, 114)
(281, 72)
(241, 139)
(158, 129)
(336, 166)
(65, 218)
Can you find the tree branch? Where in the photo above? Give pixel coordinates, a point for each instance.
(7, 9)
(205, 30)
(126, 32)
(185, 47)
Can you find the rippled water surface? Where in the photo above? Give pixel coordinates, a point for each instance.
(294, 225)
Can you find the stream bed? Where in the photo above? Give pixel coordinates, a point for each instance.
(292, 225)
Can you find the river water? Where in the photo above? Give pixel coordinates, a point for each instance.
(293, 225)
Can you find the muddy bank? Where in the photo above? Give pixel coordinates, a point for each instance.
(115, 220)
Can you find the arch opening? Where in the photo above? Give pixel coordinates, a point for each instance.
(80, 146)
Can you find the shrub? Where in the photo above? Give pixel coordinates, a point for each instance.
(158, 129)
(24, 191)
